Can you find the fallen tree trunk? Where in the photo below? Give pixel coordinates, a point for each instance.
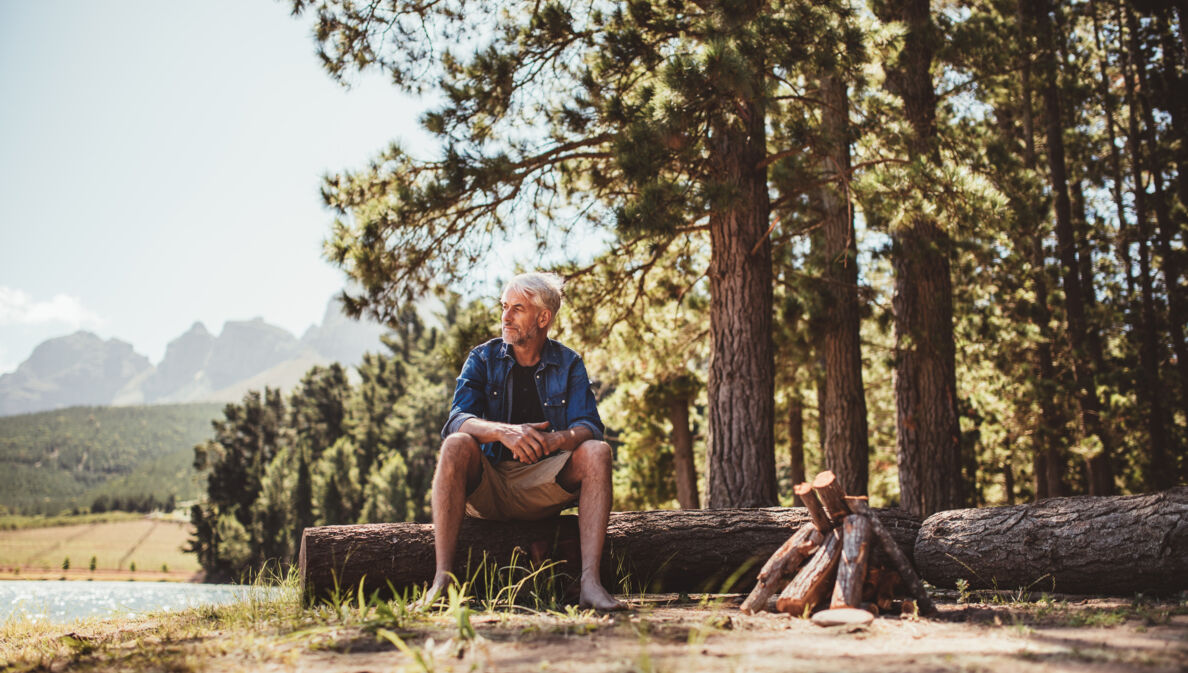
(664, 550)
(1101, 545)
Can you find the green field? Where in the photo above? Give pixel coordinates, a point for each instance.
(148, 543)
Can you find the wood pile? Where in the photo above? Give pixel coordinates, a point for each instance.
(828, 562)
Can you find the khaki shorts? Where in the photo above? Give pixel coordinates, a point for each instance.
(512, 490)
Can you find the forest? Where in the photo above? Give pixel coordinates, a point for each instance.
(100, 458)
(935, 247)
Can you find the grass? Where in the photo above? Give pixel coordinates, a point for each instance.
(511, 606)
(115, 545)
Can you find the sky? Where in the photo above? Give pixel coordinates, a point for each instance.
(160, 164)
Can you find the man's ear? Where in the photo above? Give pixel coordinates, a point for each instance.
(544, 318)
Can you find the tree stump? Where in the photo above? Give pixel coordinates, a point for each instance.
(1116, 545)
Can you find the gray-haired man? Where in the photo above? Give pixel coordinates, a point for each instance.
(524, 439)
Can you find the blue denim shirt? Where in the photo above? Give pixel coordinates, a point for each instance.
(484, 391)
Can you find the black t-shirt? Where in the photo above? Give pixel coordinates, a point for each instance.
(525, 400)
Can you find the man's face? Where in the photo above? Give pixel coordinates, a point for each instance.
(522, 318)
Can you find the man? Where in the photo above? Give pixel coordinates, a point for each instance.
(524, 439)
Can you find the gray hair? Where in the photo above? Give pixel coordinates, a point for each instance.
(544, 289)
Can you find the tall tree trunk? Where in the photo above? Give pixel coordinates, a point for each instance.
(1175, 99)
(741, 470)
(1050, 461)
(1116, 172)
(1089, 406)
(1150, 391)
(1162, 476)
(1085, 269)
(796, 444)
(928, 437)
(682, 454)
(843, 414)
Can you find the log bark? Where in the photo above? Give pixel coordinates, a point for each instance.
(781, 566)
(811, 584)
(851, 572)
(685, 550)
(1116, 545)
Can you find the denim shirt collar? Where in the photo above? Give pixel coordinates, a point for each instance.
(550, 355)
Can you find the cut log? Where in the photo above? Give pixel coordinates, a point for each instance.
(781, 567)
(1116, 545)
(811, 585)
(899, 560)
(843, 617)
(669, 550)
(851, 571)
(820, 519)
(832, 497)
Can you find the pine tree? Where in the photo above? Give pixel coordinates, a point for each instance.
(662, 127)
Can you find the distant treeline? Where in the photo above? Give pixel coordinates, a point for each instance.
(333, 451)
(133, 503)
(110, 457)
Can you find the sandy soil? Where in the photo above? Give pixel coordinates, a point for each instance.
(690, 637)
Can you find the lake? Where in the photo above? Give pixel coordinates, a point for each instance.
(59, 602)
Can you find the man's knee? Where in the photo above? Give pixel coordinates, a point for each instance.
(594, 455)
(458, 449)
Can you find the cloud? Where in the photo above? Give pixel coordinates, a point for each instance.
(19, 308)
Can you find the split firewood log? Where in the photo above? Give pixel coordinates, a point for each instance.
(781, 566)
(851, 571)
(898, 559)
(811, 585)
(832, 497)
(813, 504)
(880, 587)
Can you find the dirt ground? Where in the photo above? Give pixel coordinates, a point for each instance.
(660, 634)
(1063, 634)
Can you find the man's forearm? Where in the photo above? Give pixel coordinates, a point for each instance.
(483, 431)
(558, 440)
(571, 438)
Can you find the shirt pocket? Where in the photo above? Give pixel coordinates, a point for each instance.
(555, 412)
(496, 402)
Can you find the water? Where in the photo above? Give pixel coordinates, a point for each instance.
(59, 602)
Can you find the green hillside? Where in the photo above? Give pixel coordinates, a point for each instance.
(56, 460)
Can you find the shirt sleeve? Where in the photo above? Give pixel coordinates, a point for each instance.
(582, 408)
(470, 400)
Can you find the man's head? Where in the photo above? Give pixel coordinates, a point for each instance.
(530, 303)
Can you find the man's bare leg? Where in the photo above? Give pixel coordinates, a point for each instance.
(458, 473)
(589, 468)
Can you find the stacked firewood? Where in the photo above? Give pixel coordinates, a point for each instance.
(827, 562)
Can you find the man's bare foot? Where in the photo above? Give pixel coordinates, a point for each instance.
(434, 592)
(595, 596)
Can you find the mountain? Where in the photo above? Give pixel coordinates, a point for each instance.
(71, 370)
(82, 369)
